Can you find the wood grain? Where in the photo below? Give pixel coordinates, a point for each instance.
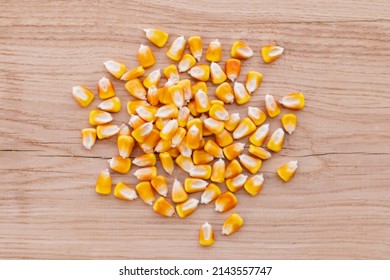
(338, 205)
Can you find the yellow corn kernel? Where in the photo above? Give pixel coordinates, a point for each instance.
(273, 108)
(252, 164)
(162, 94)
(218, 171)
(199, 85)
(192, 185)
(232, 122)
(213, 125)
(147, 113)
(145, 56)
(254, 184)
(256, 115)
(124, 130)
(233, 169)
(271, 53)
(186, 208)
(186, 63)
(202, 102)
(163, 146)
(224, 92)
(195, 121)
(195, 46)
(157, 37)
(206, 235)
(105, 88)
(201, 171)
(178, 137)
(169, 130)
(125, 145)
(192, 107)
(153, 79)
(146, 173)
(125, 192)
(233, 150)
(241, 95)
(141, 132)
(217, 74)
(166, 162)
(184, 149)
(241, 50)
(232, 224)
(236, 183)
(88, 137)
(135, 121)
(132, 105)
(225, 202)
(97, 117)
(151, 141)
(136, 89)
(184, 163)
(83, 95)
(187, 89)
(160, 185)
(183, 116)
(145, 192)
(295, 101)
(232, 69)
(289, 122)
(244, 128)
(178, 193)
(214, 51)
(112, 105)
(218, 112)
(212, 148)
(218, 102)
(193, 137)
(210, 193)
(287, 171)
(163, 207)
(120, 164)
(202, 142)
(200, 72)
(177, 95)
(145, 160)
(133, 73)
(259, 152)
(171, 73)
(174, 152)
(106, 130)
(275, 142)
(224, 138)
(104, 183)
(253, 81)
(202, 157)
(176, 50)
(152, 96)
(168, 111)
(258, 137)
(115, 68)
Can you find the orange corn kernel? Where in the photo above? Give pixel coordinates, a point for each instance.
(178, 192)
(120, 164)
(273, 108)
(177, 95)
(218, 171)
(145, 56)
(253, 81)
(212, 148)
(112, 105)
(271, 53)
(115, 68)
(287, 171)
(97, 117)
(153, 79)
(157, 37)
(244, 128)
(233, 150)
(232, 224)
(125, 145)
(136, 89)
(176, 50)
(200, 72)
(146, 173)
(105, 88)
(201, 171)
(202, 157)
(289, 122)
(192, 185)
(202, 102)
(258, 137)
(163, 207)
(186, 208)
(224, 138)
(252, 164)
(295, 101)
(167, 162)
(210, 193)
(133, 73)
(241, 95)
(241, 50)
(275, 142)
(254, 184)
(151, 141)
(225, 202)
(83, 95)
(141, 132)
(233, 169)
(106, 130)
(125, 192)
(224, 92)
(145, 192)
(236, 183)
(232, 69)
(104, 183)
(185, 163)
(186, 63)
(168, 111)
(160, 185)
(232, 122)
(206, 235)
(88, 137)
(145, 160)
(132, 105)
(256, 115)
(214, 51)
(259, 152)
(195, 46)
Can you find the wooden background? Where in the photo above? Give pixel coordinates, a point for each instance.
(337, 206)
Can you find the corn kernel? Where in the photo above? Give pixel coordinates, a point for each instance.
(147, 113)
(157, 37)
(236, 183)
(141, 132)
(125, 145)
(192, 185)
(115, 68)
(104, 183)
(224, 92)
(192, 107)
(136, 89)
(112, 105)
(214, 126)
(258, 137)
(145, 160)
(184, 149)
(83, 95)
(233, 69)
(241, 50)
(163, 207)
(177, 95)
(152, 96)
(244, 128)
(124, 130)
(225, 202)
(169, 130)
(185, 163)
(132, 105)
(224, 138)
(253, 81)
(160, 185)
(232, 224)
(271, 53)
(256, 115)
(186, 208)
(133, 73)
(259, 152)
(202, 102)
(167, 162)
(210, 193)
(163, 146)
(214, 51)
(232, 122)
(252, 164)
(217, 74)
(106, 130)
(187, 89)
(287, 171)
(275, 142)
(174, 152)
(97, 117)
(183, 116)
(218, 171)
(201, 171)
(195, 121)
(289, 122)
(105, 88)
(195, 46)
(200, 72)
(88, 137)
(254, 184)
(186, 63)
(178, 137)
(151, 141)
(178, 193)
(146, 173)
(145, 192)
(145, 56)
(120, 164)
(162, 93)
(233, 169)
(295, 101)
(168, 111)
(206, 235)
(176, 50)
(125, 192)
(233, 150)
(202, 157)
(193, 137)
(153, 79)
(212, 148)
(241, 95)
(171, 73)
(218, 112)
(273, 108)
(199, 85)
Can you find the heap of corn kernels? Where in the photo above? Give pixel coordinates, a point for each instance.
(172, 121)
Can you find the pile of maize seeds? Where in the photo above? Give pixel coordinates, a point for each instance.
(173, 121)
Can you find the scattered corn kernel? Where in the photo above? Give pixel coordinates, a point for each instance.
(232, 122)
(210, 193)
(157, 37)
(133, 73)
(174, 152)
(186, 63)
(145, 160)
(232, 224)
(151, 141)
(258, 137)
(241, 50)
(233, 150)
(295, 101)
(136, 89)
(115, 68)
(224, 138)
(271, 53)
(200, 72)
(218, 112)
(192, 107)
(163, 207)
(212, 148)
(193, 137)
(252, 164)
(217, 74)
(225, 202)
(147, 113)
(224, 92)
(214, 51)
(273, 108)
(202, 157)
(232, 69)
(241, 95)
(112, 105)
(192, 185)
(88, 137)
(195, 46)
(125, 192)
(183, 116)
(83, 95)
(97, 117)
(146, 173)
(153, 79)
(178, 193)
(199, 85)
(233, 169)
(289, 122)
(256, 115)
(177, 95)
(168, 111)
(160, 185)
(105, 88)
(253, 81)
(163, 146)
(244, 128)
(213, 125)
(152, 96)
(275, 143)
(259, 152)
(124, 130)
(132, 105)
(201, 171)
(145, 192)
(218, 171)
(254, 184)
(186, 208)
(176, 50)
(185, 163)
(169, 130)
(106, 130)
(206, 235)
(167, 162)
(120, 164)
(178, 137)
(145, 56)
(141, 132)
(236, 183)
(287, 171)
(187, 89)
(202, 102)
(184, 149)
(104, 183)
(125, 145)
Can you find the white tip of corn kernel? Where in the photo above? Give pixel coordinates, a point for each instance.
(128, 193)
(190, 204)
(79, 93)
(112, 66)
(207, 229)
(246, 52)
(277, 51)
(103, 83)
(226, 230)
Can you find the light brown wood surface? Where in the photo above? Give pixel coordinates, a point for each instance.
(337, 206)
